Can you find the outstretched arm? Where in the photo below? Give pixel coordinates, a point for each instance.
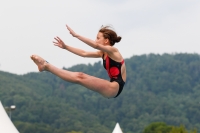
(76, 51)
(108, 49)
(83, 39)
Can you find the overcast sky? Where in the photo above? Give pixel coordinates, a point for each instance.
(146, 26)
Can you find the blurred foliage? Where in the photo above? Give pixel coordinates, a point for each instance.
(160, 88)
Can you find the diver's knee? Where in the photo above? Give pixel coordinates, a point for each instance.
(79, 77)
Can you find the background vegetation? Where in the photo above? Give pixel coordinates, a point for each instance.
(161, 90)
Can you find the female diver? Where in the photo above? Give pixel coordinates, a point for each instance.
(113, 62)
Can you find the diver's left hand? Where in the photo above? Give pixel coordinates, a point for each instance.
(59, 43)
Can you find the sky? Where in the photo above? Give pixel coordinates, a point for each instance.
(146, 26)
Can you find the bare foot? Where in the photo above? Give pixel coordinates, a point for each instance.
(40, 62)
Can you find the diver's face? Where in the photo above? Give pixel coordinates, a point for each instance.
(101, 40)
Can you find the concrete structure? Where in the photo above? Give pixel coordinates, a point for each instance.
(117, 129)
(6, 125)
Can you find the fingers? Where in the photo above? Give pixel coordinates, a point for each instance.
(71, 31)
(55, 43)
(67, 26)
(58, 42)
(58, 39)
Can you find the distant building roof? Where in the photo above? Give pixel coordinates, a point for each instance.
(117, 129)
(6, 125)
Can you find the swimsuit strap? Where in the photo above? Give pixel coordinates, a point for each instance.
(122, 62)
(103, 56)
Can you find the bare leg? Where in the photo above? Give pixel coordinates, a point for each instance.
(104, 87)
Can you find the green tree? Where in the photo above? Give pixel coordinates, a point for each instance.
(157, 127)
(181, 129)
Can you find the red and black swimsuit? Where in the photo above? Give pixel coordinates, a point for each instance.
(114, 72)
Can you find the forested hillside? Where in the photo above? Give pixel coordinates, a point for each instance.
(159, 88)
